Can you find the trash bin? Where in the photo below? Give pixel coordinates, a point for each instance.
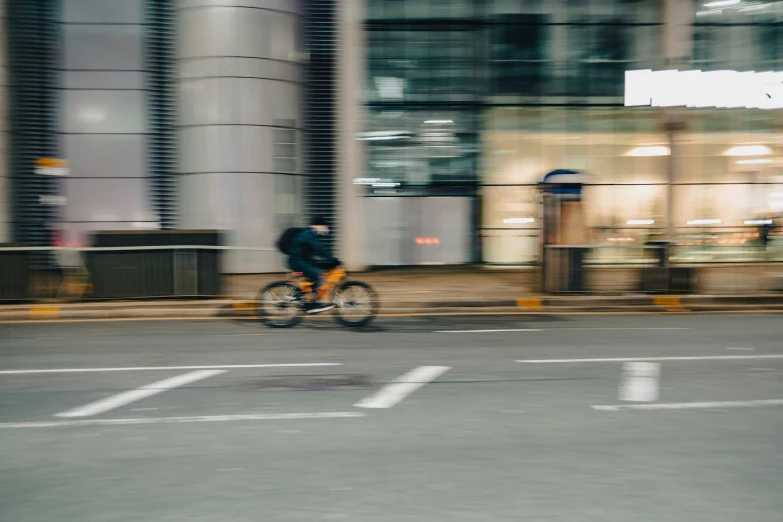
(564, 271)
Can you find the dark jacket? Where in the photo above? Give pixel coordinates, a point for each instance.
(307, 246)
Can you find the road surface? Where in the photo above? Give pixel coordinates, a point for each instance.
(604, 418)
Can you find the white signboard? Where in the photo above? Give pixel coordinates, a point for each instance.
(721, 89)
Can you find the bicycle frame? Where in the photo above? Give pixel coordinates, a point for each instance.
(332, 279)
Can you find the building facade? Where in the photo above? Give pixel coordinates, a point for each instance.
(477, 100)
(420, 127)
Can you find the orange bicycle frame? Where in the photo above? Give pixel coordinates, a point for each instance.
(333, 277)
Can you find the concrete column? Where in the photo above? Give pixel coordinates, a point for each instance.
(239, 120)
(676, 51)
(350, 154)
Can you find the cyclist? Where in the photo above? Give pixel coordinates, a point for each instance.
(305, 253)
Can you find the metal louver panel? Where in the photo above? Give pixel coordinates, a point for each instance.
(320, 33)
(33, 33)
(160, 74)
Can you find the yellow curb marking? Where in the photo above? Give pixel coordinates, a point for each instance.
(244, 307)
(530, 302)
(669, 303)
(44, 312)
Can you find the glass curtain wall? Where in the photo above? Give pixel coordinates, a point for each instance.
(492, 95)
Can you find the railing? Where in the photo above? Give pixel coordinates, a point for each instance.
(199, 271)
(613, 269)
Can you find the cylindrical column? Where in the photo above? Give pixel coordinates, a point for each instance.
(240, 139)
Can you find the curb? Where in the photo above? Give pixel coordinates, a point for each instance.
(228, 309)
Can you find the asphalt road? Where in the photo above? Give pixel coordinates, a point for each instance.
(419, 419)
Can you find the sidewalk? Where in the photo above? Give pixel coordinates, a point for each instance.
(420, 291)
(417, 285)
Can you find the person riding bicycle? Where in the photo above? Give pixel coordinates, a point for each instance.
(305, 253)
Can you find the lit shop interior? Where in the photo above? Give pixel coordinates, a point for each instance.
(470, 184)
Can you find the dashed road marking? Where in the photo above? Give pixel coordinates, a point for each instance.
(640, 382)
(121, 399)
(402, 386)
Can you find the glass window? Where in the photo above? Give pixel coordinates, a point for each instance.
(421, 147)
(421, 64)
(597, 58)
(518, 52)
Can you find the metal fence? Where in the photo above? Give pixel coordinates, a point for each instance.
(192, 271)
(613, 269)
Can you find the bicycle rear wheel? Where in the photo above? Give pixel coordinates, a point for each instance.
(278, 305)
(356, 304)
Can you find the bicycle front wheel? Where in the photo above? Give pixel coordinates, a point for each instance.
(278, 305)
(356, 304)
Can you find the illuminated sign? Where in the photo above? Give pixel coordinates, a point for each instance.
(721, 89)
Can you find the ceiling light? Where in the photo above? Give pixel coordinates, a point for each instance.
(760, 161)
(654, 150)
(722, 3)
(640, 222)
(758, 222)
(754, 7)
(704, 222)
(365, 181)
(748, 150)
(436, 122)
(518, 221)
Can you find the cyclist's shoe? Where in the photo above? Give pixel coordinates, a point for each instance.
(317, 308)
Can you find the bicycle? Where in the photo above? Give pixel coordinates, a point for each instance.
(280, 304)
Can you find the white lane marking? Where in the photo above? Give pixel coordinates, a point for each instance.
(402, 386)
(620, 328)
(691, 405)
(121, 399)
(640, 382)
(156, 368)
(631, 359)
(492, 331)
(178, 420)
(550, 330)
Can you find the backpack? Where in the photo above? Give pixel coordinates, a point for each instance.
(286, 240)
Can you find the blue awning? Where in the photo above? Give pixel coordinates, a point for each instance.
(563, 181)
